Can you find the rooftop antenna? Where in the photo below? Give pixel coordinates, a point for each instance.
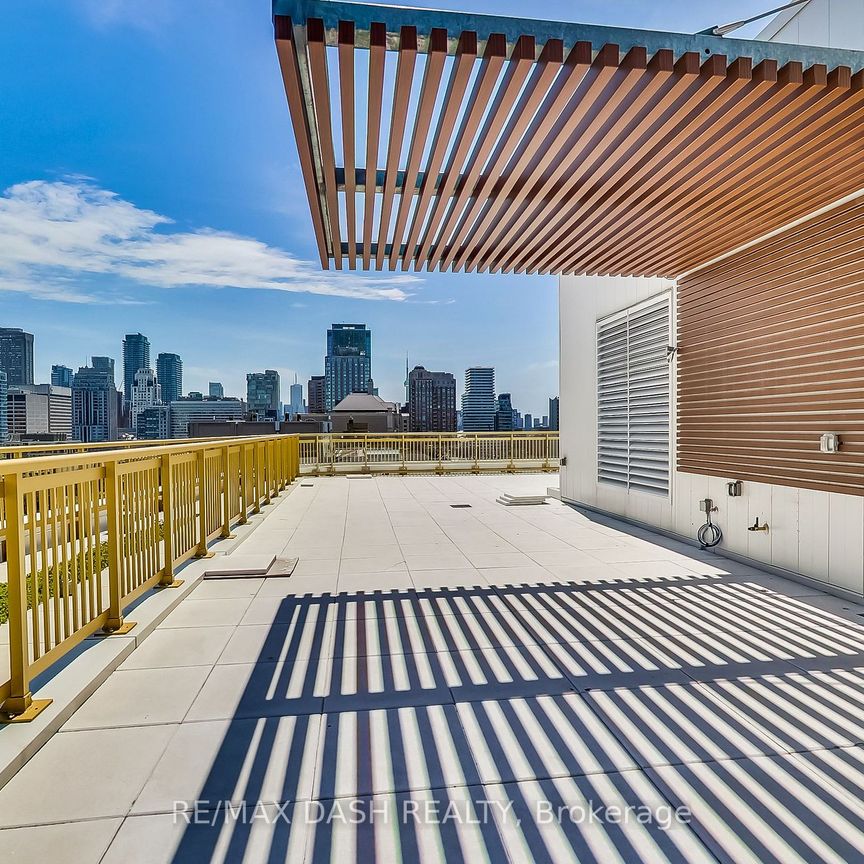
(723, 29)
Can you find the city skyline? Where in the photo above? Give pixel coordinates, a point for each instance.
(397, 394)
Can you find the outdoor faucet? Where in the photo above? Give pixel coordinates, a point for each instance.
(757, 527)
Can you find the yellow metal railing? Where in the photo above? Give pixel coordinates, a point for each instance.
(421, 452)
(87, 534)
(28, 451)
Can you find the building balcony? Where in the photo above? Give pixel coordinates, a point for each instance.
(442, 677)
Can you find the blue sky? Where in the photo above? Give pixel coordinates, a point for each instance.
(149, 181)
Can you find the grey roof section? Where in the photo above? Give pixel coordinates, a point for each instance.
(364, 403)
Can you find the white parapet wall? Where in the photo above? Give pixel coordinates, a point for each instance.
(817, 534)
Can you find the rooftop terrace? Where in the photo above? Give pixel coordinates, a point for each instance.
(439, 675)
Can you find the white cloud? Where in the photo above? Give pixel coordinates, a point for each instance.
(55, 235)
(104, 14)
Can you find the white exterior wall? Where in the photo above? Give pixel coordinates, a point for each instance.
(817, 534)
(828, 23)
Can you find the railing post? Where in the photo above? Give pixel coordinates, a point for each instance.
(203, 551)
(440, 469)
(226, 491)
(476, 468)
(261, 474)
(243, 466)
(167, 579)
(512, 465)
(113, 503)
(19, 706)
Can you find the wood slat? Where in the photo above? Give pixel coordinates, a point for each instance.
(771, 355)
(287, 51)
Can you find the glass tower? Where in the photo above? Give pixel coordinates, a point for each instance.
(348, 362)
(169, 374)
(136, 355)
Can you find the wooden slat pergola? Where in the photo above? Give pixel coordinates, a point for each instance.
(443, 141)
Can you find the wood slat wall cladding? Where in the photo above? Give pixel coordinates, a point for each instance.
(771, 355)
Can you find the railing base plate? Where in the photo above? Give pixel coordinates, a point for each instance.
(175, 584)
(36, 707)
(122, 630)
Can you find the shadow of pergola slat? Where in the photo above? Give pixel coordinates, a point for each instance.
(521, 694)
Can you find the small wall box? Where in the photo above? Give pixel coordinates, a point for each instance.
(733, 487)
(829, 443)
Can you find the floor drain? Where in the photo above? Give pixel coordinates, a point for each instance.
(307, 484)
(459, 506)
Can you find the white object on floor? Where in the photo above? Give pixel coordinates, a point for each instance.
(509, 500)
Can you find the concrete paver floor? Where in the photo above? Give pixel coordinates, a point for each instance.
(481, 683)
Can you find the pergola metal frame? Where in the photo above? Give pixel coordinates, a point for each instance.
(550, 147)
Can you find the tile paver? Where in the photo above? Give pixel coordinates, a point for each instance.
(497, 662)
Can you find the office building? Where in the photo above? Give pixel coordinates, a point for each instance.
(504, 413)
(478, 399)
(296, 406)
(136, 355)
(215, 390)
(348, 363)
(16, 355)
(61, 376)
(146, 392)
(529, 422)
(169, 374)
(104, 364)
(315, 395)
(186, 411)
(431, 401)
(41, 411)
(153, 423)
(553, 414)
(94, 405)
(262, 393)
(545, 422)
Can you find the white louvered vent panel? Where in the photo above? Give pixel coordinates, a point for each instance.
(633, 387)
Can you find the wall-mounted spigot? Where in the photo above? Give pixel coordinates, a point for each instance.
(757, 527)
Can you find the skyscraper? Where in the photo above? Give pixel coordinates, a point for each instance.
(262, 393)
(504, 413)
(215, 390)
(169, 374)
(315, 395)
(296, 405)
(478, 399)
(61, 376)
(106, 365)
(146, 392)
(348, 362)
(553, 414)
(431, 401)
(136, 355)
(529, 422)
(94, 405)
(16, 355)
